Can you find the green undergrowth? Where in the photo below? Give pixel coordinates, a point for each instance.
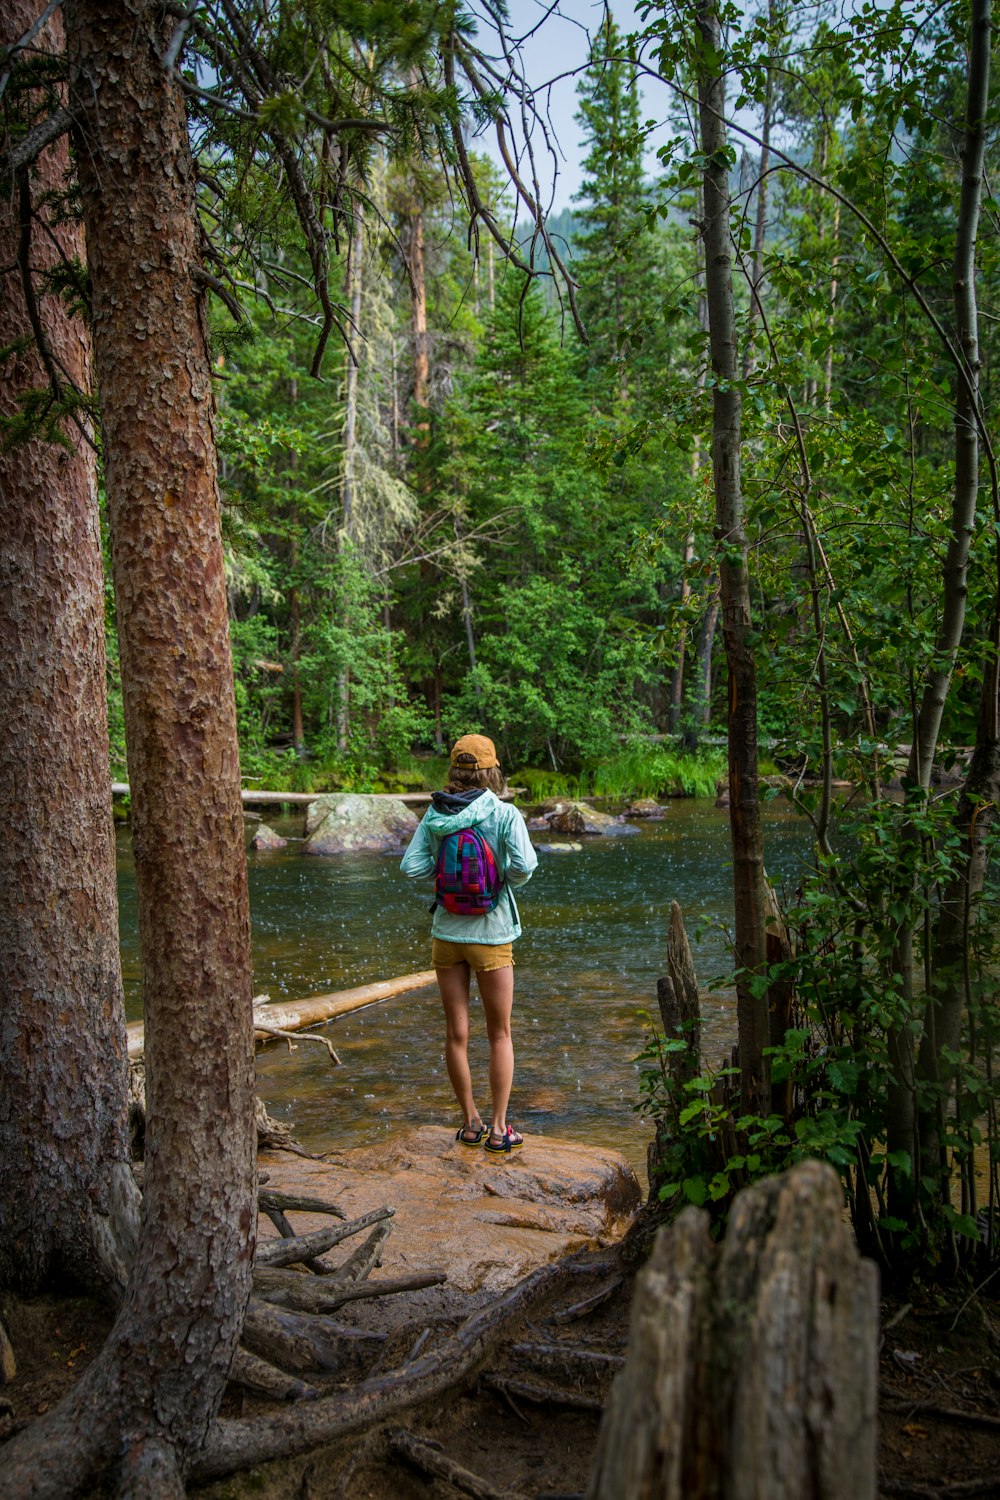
(637, 771)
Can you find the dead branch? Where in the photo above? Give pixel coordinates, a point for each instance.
(359, 1266)
(291, 1037)
(305, 1246)
(290, 1289)
(541, 1392)
(294, 1203)
(568, 1357)
(235, 1445)
(429, 1458)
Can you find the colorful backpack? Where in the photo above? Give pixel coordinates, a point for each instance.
(468, 879)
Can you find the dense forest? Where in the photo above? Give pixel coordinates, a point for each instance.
(304, 393)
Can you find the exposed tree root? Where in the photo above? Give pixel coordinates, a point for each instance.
(429, 1458)
(255, 1374)
(588, 1305)
(235, 1445)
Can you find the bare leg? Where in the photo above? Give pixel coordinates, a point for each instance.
(453, 983)
(496, 986)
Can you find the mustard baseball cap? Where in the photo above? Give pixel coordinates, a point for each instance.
(474, 749)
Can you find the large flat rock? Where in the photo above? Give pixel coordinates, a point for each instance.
(486, 1221)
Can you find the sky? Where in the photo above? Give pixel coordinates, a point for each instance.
(555, 52)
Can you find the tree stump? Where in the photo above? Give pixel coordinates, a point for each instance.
(752, 1365)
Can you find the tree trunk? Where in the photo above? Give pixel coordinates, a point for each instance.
(901, 1115)
(421, 361)
(68, 1203)
(744, 811)
(149, 1397)
(752, 1366)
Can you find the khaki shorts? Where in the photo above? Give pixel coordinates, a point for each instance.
(479, 956)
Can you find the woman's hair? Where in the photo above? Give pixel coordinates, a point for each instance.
(468, 778)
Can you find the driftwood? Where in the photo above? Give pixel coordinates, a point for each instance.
(677, 995)
(234, 1445)
(428, 1458)
(303, 1247)
(304, 1014)
(752, 1366)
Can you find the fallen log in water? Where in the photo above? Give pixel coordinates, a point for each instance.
(254, 797)
(300, 1015)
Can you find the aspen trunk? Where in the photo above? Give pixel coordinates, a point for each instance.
(67, 1200)
(744, 812)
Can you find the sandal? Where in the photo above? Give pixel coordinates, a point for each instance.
(503, 1145)
(470, 1135)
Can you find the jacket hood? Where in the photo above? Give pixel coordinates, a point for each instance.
(452, 810)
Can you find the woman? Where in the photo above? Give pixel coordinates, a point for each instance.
(482, 944)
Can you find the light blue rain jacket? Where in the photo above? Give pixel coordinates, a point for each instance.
(503, 828)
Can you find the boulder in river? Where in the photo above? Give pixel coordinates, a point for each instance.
(580, 817)
(346, 823)
(487, 1221)
(566, 848)
(645, 807)
(266, 838)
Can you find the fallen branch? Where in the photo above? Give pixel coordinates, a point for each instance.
(291, 1036)
(568, 1357)
(359, 1266)
(279, 1220)
(943, 1413)
(305, 1246)
(293, 1203)
(429, 1458)
(984, 1484)
(235, 1445)
(310, 1294)
(542, 1393)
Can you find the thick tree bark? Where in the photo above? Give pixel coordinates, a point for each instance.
(744, 812)
(752, 1366)
(150, 1396)
(68, 1204)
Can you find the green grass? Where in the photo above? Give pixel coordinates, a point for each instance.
(637, 771)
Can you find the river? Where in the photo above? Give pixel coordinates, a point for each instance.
(595, 925)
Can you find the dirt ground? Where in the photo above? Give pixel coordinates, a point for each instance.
(515, 1426)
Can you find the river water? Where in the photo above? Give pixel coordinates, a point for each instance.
(595, 925)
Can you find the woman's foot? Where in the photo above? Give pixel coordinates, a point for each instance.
(502, 1143)
(470, 1134)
